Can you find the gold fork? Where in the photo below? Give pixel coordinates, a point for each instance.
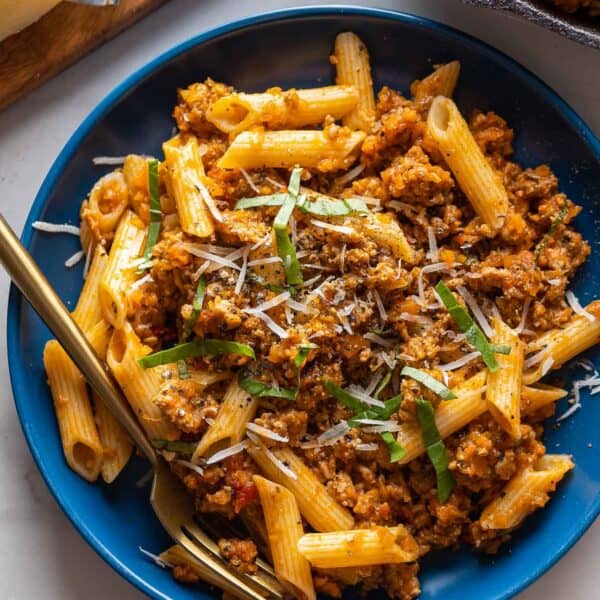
(171, 502)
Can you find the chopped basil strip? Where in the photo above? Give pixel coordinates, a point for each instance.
(373, 412)
(285, 248)
(182, 369)
(196, 308)
(383, 384)
(326, 207)
(435, 448)
(396, 451)
(321, 206)
(302, 355)
(347, 399)
(562, 213)
(195, 348)
(179, 447)
(155, 214)
(428, 381)
(501, 348)
(270, 200)
(466, 324)
(258, 388)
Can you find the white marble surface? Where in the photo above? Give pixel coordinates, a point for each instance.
(41, 555)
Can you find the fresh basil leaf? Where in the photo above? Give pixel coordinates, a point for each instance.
(466, 324)
(195, 348)
(155, 215)
(435, 448)
(302, 354)
(428, 381)
(185, 449)
(258, 388)
(396, 451)
(196, 308)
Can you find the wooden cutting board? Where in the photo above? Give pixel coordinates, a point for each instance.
(58, 39)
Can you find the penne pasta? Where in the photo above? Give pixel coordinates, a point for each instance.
(135, 172)
(359, 547)
(237, 410)
(479, 182)
(441, 82)
(526, 492)
(284, 530)
(115, 441)
(449, 417)
(277, 109)
(185, 173)
(286, 149)
(107, 202)
(120, 270)
(88, 313)
(80, 441)
(535, 397)
(561, 345)
(503, 393)
(353, 68)
(139, 385)
(316, 505)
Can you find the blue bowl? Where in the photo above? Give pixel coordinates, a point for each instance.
(290, 48)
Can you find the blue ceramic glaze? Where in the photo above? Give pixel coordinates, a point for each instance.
(290, 48)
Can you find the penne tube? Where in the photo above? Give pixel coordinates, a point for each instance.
(88, 312)
(115, 441)
(503, 392)
(291, 148)
(277, 109)
(537, 396)
(80, 441)
(441, 82)
(477, 179)
(450, 416)
(120, 272)
(135, 172)
(527, 491)
(284, 530)
(561, 345)
(107, 202)
(359, 547)
(353, 68)
(139, 385)
(237, 410)
(185, 173)
(99, 337)
(315, 503)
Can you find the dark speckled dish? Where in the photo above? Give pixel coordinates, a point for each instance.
(580, 27)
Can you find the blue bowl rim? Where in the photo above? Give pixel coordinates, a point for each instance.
(72, 145)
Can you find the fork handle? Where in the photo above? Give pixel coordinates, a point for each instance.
(27, 276)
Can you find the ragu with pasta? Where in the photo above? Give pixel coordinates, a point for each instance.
(331, 311)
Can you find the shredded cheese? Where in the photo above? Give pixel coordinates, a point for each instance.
(231, 451)
(573, 302)
(332, 227)
(73, 260)
(108, 160)
(56, 228)
(266, 433)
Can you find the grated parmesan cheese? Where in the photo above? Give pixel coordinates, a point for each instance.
(231, 451)
(56, 228)
(332, 227)
(74, 259)
(266, 433)
(573, 302)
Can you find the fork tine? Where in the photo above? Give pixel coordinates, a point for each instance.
(175, 509)
(264, 578)
(219, 527)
